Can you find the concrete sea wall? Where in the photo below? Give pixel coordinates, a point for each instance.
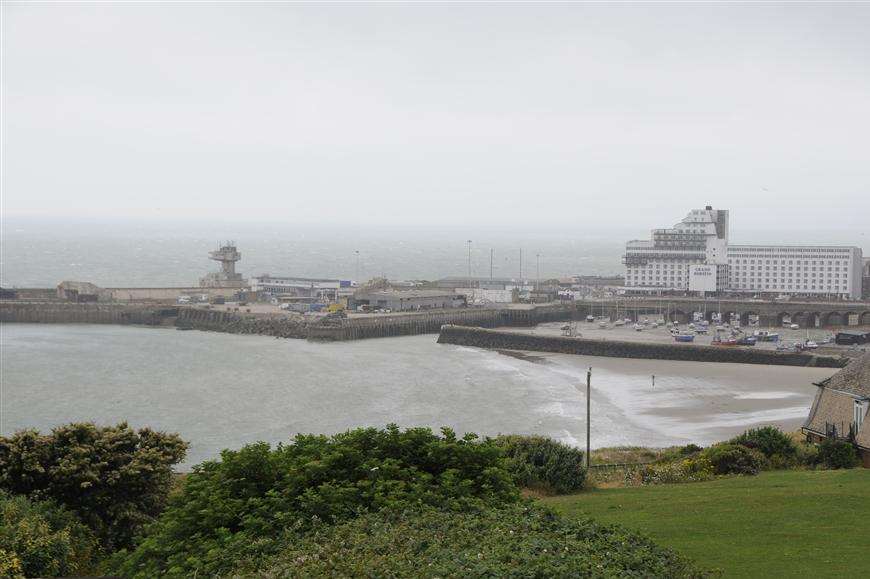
(284, 326)
(91, 313)
(503, 340)
(402, 325)
(164, 294)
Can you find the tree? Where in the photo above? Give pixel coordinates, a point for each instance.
(241, 506)
(40, 539)
(114, 478)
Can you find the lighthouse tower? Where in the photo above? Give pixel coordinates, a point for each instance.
(227, 255)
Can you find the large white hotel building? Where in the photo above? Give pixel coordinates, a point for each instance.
(695, 256)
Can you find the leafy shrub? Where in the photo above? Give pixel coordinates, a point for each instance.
(729, 458)
(239, 506)
(769, 441)
(690, 449)
(676, 453)
(834, 453)
(543, 463)
(114, 478)
(679, 471)
(514, 541)
(39, 539)
(807, 454)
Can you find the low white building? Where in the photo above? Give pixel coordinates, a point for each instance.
(298, 286)
(808, 271)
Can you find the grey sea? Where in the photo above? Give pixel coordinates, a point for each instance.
(118, 253)
(223, 391)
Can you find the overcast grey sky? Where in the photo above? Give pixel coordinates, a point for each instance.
(502, 113)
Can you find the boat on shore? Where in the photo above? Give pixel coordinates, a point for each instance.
(684, 337)
(765, 336)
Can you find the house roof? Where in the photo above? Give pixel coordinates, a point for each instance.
(835, 401)
(831, 407)
(853, 379)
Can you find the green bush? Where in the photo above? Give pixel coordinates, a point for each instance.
(807, 454)
(729, 458)
(40, 539)
(834, 453)
(543, 463)
(769, 441)
(690, 449)
(114, 478)
(239, 506)
(514, 541)
(678, 471)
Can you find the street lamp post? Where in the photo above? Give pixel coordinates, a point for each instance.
(356, 274)
(490, 263)
(521, 266)
(469, 263)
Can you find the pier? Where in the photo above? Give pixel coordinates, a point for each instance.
(506, 340)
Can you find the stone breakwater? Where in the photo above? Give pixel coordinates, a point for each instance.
(333, 329)
(430, 322)
(233, 323)
(503, 340)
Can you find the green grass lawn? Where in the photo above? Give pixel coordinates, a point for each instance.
(777, 524)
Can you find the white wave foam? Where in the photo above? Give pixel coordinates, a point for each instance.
(731, 419)
(766, 395)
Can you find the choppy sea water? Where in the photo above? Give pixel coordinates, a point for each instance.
(223, 391)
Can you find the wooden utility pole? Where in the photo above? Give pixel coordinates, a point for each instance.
(588, 416)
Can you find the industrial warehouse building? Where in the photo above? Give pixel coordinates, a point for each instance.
(489, 283)
(409, 300)
(695, 256)
(298, 286)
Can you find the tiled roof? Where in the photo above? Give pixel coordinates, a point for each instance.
(831, 407)
(835, 401)
(854, 378)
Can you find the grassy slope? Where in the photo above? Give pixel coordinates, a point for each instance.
(778, 524)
